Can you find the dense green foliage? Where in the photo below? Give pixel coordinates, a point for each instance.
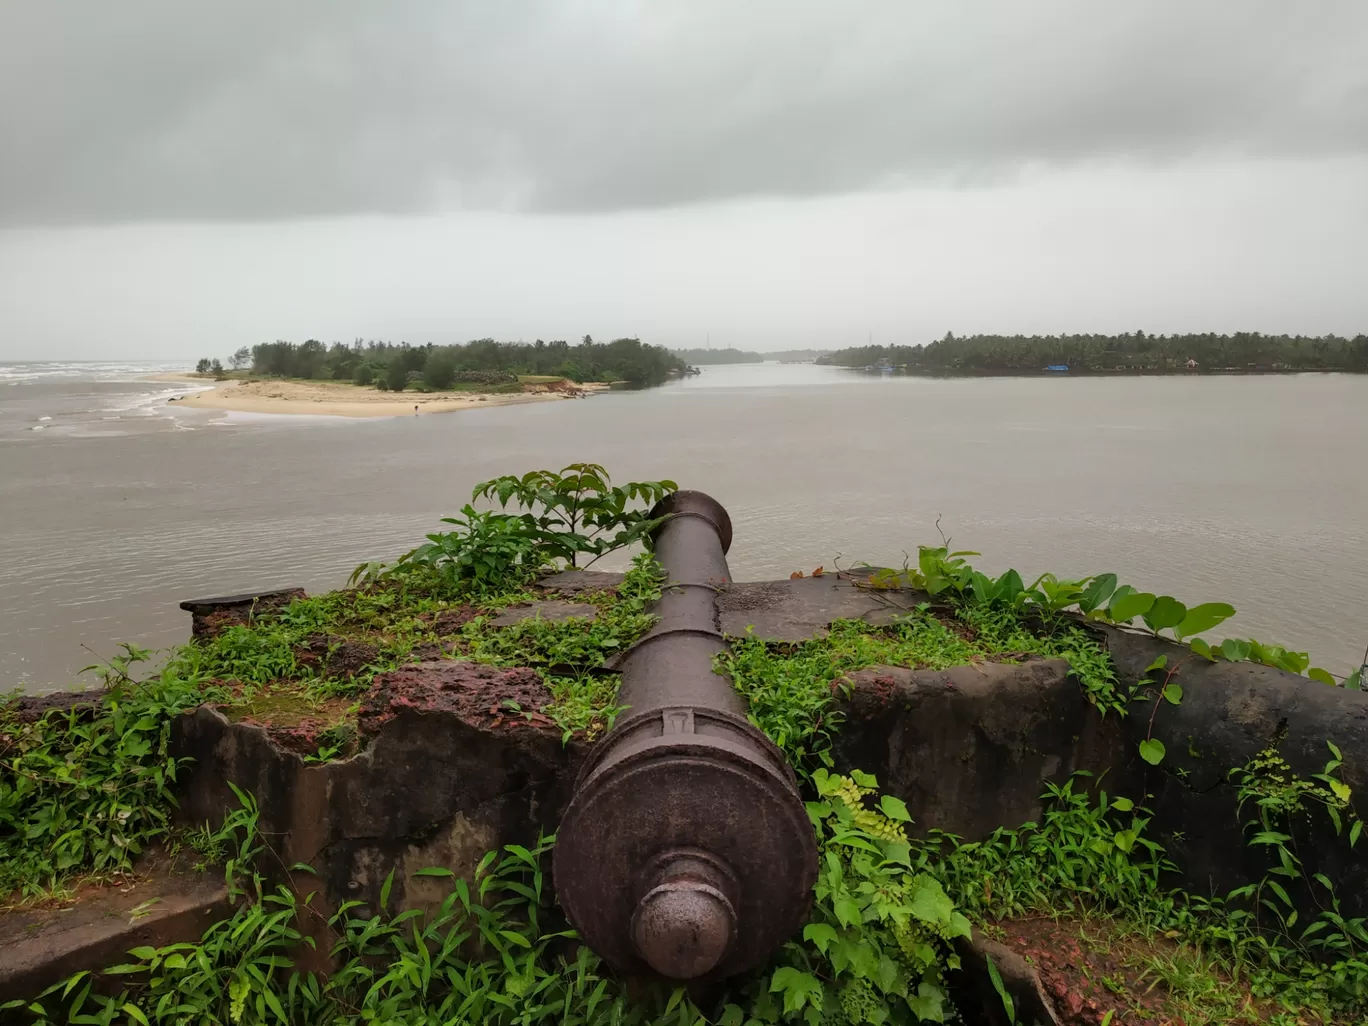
(791, 693)
(1090, 857)
(1099, 597)
(83, 792)
(1115, 354)
(394, 367)
(566, 515)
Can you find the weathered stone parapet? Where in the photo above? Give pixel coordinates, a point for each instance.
(1229, 713)
(210, 616)
(155, 907)
(456, 762)
(971, 748)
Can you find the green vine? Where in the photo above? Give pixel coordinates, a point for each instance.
(83, 792)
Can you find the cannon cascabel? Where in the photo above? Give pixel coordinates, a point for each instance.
(686, 851)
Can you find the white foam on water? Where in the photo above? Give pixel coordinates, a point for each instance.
(149, 402)
(18, 373)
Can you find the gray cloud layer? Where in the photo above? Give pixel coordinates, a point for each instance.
(163, 109)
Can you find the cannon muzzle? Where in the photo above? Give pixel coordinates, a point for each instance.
(686, 850)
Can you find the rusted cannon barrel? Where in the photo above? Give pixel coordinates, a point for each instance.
(686, 850)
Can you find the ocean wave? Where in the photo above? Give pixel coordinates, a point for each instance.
(17, 373)
(147, 402)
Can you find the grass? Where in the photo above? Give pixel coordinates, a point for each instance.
(84, 797)
(316, 657)
(413, 386)
(503, 388)
(790, 690)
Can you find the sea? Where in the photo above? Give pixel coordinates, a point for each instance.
(116, 505)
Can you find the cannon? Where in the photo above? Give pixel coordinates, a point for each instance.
(686, 851)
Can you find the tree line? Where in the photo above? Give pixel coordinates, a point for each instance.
(704, 357)
(1136, 353)
(391, 366)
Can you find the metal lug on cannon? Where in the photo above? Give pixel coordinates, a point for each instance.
(686, 851)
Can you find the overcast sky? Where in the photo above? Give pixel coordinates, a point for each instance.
(180, 178)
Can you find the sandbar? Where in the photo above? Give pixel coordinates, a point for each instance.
(342, 399)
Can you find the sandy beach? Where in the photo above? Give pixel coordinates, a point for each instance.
(340, 399)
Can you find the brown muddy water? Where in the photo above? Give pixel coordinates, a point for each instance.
(1252, 490)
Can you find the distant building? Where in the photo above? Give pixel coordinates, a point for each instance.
(1192, 364)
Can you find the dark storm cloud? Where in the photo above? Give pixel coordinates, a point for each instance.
(164, 109)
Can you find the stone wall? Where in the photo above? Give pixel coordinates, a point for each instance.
(448, 772)
(1229, 713)
(971, 748)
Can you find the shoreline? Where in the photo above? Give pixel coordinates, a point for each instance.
(1196, 372)
(339, 399)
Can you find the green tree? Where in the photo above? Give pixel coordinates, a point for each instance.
(439, 372)
(241, 358)
(396, 376)
(203, 366)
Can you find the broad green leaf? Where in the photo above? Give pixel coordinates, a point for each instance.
(897, 851)
(1202, 618)
(1098, 591)
(1009, 586)
(1124, 839)
(847, 912)
(1128, 607)
(1165, 611)
(799, 988)
(820, 934)
(1316, 673)
(1173, 694)
(927, 1004)
(1234, 649)
(1152, 751)
(929, 902)
(1122, 804)
(1201, 647)
(894, 808)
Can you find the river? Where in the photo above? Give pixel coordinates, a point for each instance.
(1251, 490)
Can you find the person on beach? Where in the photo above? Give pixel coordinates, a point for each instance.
(415, 409)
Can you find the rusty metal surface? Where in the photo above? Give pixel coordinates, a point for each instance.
(686, 851)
